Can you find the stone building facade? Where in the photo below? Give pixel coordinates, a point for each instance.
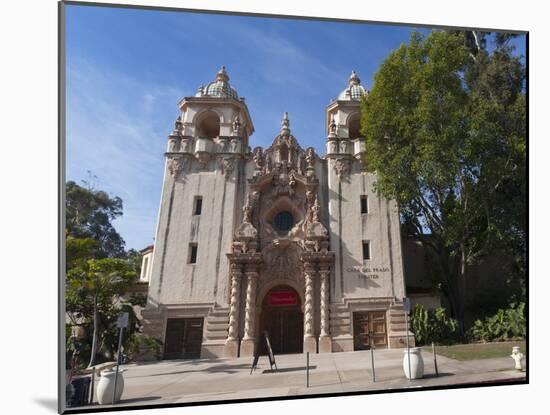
(276, 240)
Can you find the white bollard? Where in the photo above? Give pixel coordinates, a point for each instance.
(518, 357)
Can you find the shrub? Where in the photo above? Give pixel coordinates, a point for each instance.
(506, 324)
(140, 344)
(432, 326)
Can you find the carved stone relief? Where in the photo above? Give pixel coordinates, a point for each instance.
(227, 165)
(342, 168)
(282, 261)
(176, 165)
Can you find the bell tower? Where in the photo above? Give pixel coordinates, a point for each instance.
(204, 184)
(214, 122)
(364, 233)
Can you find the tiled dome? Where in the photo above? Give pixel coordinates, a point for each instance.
(220, 87)
(354, 90)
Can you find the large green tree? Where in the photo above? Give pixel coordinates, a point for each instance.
(89, 214)
(99, 271)
(445, 130)
(93, 286)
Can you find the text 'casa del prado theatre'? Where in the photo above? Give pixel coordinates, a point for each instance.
(279, 240)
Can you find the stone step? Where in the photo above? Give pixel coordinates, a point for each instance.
(341, 314)
(398, 318)
(218, 313)
(397, 311)
(217, 320)
(398, 327)
(216, 330)
(214, 336)
(340, 330)
(339, 322)
(217, 327)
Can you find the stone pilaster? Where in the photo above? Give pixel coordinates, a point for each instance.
(325, 342)
(249, 340)
(231, 348)
(310, 343)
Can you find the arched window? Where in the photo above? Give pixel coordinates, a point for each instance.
(209, 125)
(354, 126)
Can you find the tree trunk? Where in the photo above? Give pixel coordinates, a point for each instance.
(452, 269)
(461, 292)
(94, 335)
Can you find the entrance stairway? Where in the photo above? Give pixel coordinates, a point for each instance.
(215, 332)
(340, 327)
(217, 324)
(397, 327)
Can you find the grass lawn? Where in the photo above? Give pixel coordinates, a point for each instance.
(475, 351)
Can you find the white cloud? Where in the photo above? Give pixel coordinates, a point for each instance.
(117, 128)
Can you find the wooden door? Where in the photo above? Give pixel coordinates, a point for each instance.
(285, 329)
(192, 341)
(367, 324)
(377, 326)
(183, 338)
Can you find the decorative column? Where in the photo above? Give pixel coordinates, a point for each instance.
(231, 348)
(249, 340)
(310, 343)
(325, 342)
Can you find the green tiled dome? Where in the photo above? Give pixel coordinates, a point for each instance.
(220, 87)
(354, 90)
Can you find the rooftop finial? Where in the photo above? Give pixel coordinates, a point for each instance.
(354, 79)
(285, 124)
(222, 74)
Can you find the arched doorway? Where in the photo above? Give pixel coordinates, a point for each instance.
(283, 320)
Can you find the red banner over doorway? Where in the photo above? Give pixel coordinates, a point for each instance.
(280, 298)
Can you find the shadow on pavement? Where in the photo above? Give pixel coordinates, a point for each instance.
(133, 400)
(212, 369)
(433, 375)
(289, 369)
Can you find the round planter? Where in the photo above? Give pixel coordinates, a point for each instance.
(106, 386)
(417, 363)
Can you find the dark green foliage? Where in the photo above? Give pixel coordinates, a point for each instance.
(99, 275)
(140, 343)
(79, 250)
(89, 214)
(446, 133)
(432, 326)
(508, 324)
(92, 289)
(134, 258)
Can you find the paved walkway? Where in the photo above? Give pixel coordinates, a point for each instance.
(225, 379)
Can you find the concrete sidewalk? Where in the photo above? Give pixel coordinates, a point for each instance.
(205, 380)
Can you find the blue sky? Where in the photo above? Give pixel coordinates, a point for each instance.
(127, 69)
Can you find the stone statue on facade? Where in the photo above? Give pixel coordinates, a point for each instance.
(236, 126)
(344, 146)
(185, 145)
(259, 160)
(234, 145)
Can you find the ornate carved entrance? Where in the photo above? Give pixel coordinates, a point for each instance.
(280, 241)
(282, 318)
